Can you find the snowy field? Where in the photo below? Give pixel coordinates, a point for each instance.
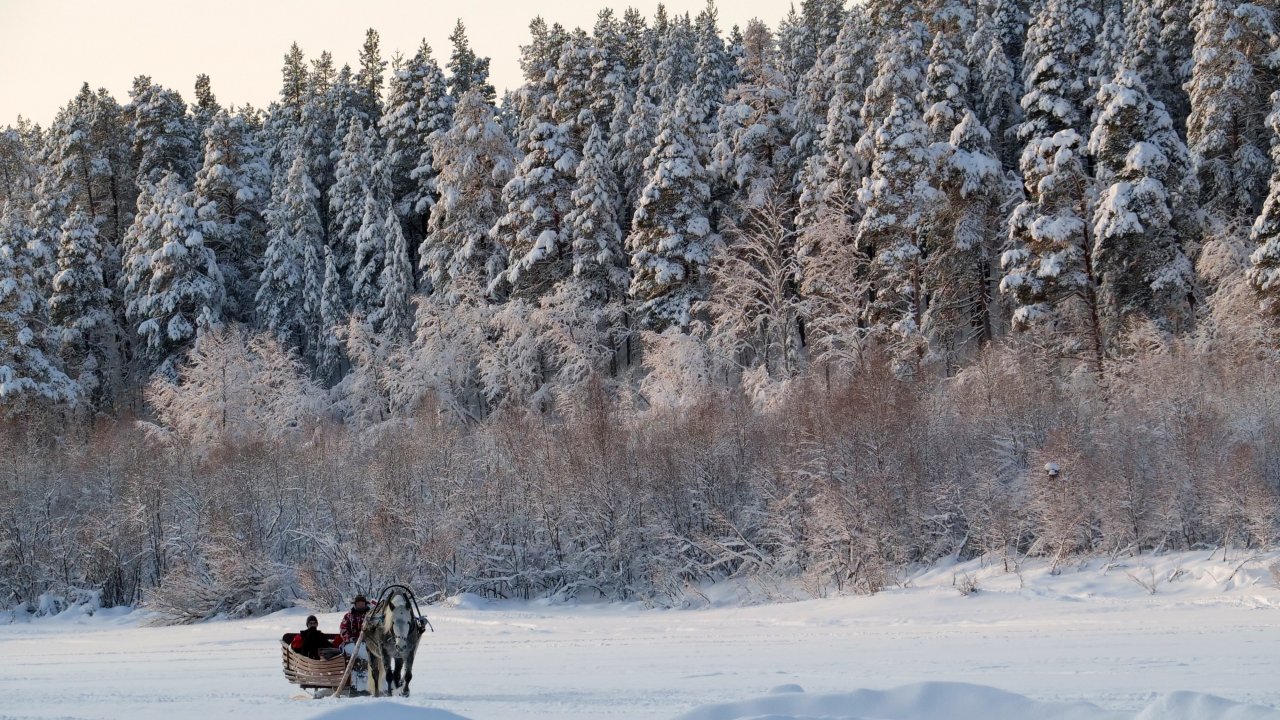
(1089, 644)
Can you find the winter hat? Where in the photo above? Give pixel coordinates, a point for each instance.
(312, 619)
(359, 598)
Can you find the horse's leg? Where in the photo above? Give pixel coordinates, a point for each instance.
(408, 671)
(376, 672)
(395, 675)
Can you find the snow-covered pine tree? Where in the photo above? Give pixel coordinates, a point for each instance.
(203, 110)
(435, 113)
(1158, 47)
(1142, 167)
(999, 91)
(399, 131)
(961, 264)
(895, 196)
(1264, 269)
(633, 135)
(284, 116)
(353, 181)
(393, 318)
(537, 199)
(370, 250)
(671, 240)
(608, 82)
(288, 297)
(1227, 139)
(754, 154)
(573, 105)
(80, 313)
(961, 230)
(833, 187)
(293, 88)
(473, 159)
(676, 65)
(369, 78)
(946, 82)
(330, 358)
(344, 103)
(319, 135)
(466, 69)
(141, 241)
(86, 164)
(823, 20)
(712, 78)
(591, 228)
(164, 139)
(1109, 48)
(29, 380)
(18, 168)
(538, 62)
(185, 294)
(1048, 266)
(232, 189)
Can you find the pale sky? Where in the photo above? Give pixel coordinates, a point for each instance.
(49, 47)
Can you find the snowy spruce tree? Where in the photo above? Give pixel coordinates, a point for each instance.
(754, 154)
(831, 183)
(164, 139)
(473, 160)
(30, 380)
(184, 294)
(592, 229)
(292, 274)
(369, 258)
(399, 131)
(393, 318)
(353, 181)
(467, 71)
(537, 200)
(80, 312)
(86, 163)
(894, 196)
(1228, 141)
(369, 78)
(964, 224)
(671, 240)
(232, 189)
(1049, 266)
(330, 358)
(435, 114)
(1140, 223)
(1264, 262)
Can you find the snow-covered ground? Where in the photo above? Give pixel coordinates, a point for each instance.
(1088, 644)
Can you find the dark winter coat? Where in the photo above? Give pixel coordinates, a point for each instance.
(311, 641)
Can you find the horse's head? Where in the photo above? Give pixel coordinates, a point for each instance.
(397, 622)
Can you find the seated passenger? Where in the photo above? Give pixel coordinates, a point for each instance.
(315, 644)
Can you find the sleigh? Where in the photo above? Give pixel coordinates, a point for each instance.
(310, 673)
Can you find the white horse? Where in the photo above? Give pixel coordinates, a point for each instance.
(392, 635)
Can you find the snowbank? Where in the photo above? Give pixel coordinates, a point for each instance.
(961, 701)
(385, 710)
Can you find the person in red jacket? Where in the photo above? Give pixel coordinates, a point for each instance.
(353, 621)
(315, 644)
(349, 632)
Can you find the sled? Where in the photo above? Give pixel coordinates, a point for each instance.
(309, 673)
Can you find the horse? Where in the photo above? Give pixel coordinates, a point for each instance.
(391, 635)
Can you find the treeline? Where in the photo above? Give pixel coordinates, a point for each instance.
(668, 234)
(836, 489)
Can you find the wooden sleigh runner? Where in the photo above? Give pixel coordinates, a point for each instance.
(321, 676)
